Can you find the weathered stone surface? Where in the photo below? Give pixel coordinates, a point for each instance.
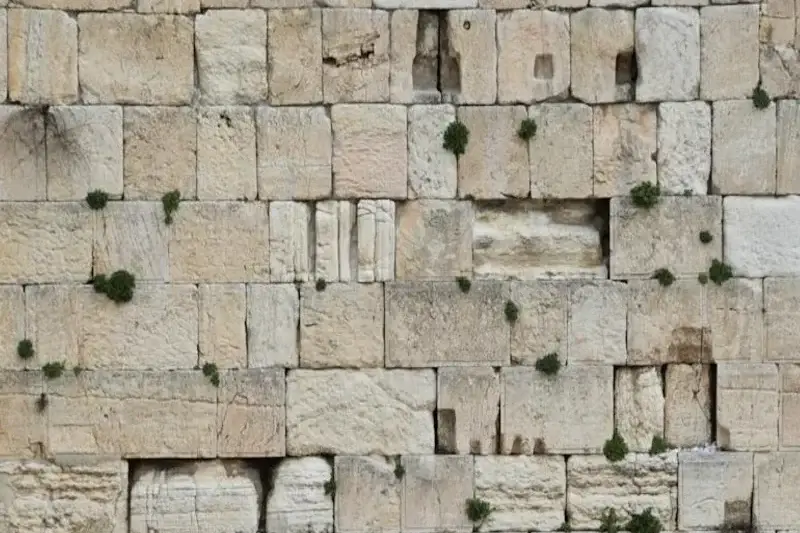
(467, 403)
(294, 153)
(602, 42)
(3, 54)
(781, 300)
(160, 152)
(414, 52)
(222, 330)
(385, 412)
(434, 239)
(220, 241)
(226, 154)
(495, 164)
(625, 146)
(42, 57)
(432, 170)
(665, 236)
(295, 56)
(336, 259)
(688, 410)
(368, 495)
(714, 490)
(298, 502)
(561, 151)
(780, 69)
(341, 326)
(168, 6)
(290, 244)
(51, 243)
(425, 4)
(23, 428)
(12, 325)
(790, 407)
(542, 325)
(434, 492)
(638, 482)
(684, 147)
(736, 317)
(744, 148)
(376, 240)
(774, 33)
(522, 491)
(44, 497)
(531, 239)
(273, 314)
(729, 55)
(534, 415)
(468, 55)
(597, 320)
(23, 149)
(369, 151)
(232, 56)
(788, 147)
(435, 324)
(639, 406)
(775, 496)
(747, 406)
(532, 42)
(208, 496)
(136, 59)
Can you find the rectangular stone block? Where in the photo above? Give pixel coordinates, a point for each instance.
(570, 413)
(684, 147)
(295, 56)
(376, 240)
(780, 66)
(597, 323)
(436, 324)
(23, 428)
(468, 56)
(290, 242)
(542, 326)
(715, 490)
(368, 494)
(168, 6)
(386, 412)
(729, 51)
(736, 317)
(414, 53)
(425, 4)
(298, 501)
(3, 54)
(467, 407)
(222, 329)
(789, 427)
(348, 231)
(326, 234)
(788, 147)
(775, 495)
(639, 406)
(688, 409)
(273, 315)
(12, 325)
(23, 148)
(226, 154)
(747, 406)
(434, 492)
(432, 170)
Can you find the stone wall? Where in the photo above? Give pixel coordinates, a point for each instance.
(399, 266)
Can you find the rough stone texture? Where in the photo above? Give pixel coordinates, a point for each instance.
(736, 315)
(774, 496)
(468, 53)
(639, 406)
(295, 56)
(23, 431)
(12, 324)
(788, 141)
(273, 314)
(684, 147)
(23, 149)
(729, 54)
(688, 407)
(597, 323)
(434, 491)
(222, 333)
(376, 240)
(3, 54)
(467, 403)
(790, 406)
(780, 69)
(414, 52)
(747, 406)
(432, 170)
(781, 298)
(542, 326)
(368, 494)
(291, 246)
(226, 154)
(298, 502)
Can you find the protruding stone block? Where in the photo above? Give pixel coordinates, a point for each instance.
(715, 490)
(597, 320)
(226, 154)
(290, 244)
(684, 147)
(435, 489)
(376, 240)
(736, 317)
(542, 325)
(775, 494)
(273, 314)
(639, 406)
(23, 147)
(368, 495)
(298, 502)
(432, 170)
(747, 406)
(467, 403)
(295, 56)
(23, 434)
(222, 330)
(468, 55)
(688, 409)
(729, 54)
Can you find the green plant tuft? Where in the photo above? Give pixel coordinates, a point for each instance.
(527, 130)
(702, 278)
(170, 201)
(330, 487)
(97, 199)
(615, 449)
(549, 364)
(512, 311)
(464, 284)
(761, 99)
(645, 195)
(118, 286)
(41, 402)
(478, 510)
(321, 284)
(659, 445)
(564, 527)
(456, 138)
(25, 349)
(609, 521)
(211, 371)
(399, 469)
(664, 277)
(77, 370)
(705, 237)
(644, 522)
(53, 370)
(719, 272)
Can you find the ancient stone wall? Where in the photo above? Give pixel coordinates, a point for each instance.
(399, 266)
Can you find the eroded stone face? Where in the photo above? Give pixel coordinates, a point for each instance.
(431, 168)
(684, 147)
(688, 408)
(273, 314)
(435, 489)
(729, 55)
(23, 146)
(639, 406)
(747, 406)
(468, 53)
(368, 494)
(295, 56)
(715, 490)
(226, 154)
(542, 326)
(23, 427)
(774, 494)
(467, 401)
(298, 502)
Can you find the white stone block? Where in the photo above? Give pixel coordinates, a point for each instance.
(639, 406)
(684, 147)
(432, 170)
(289, 242)
(715, 490)
(298, 502)
(747, 406)
(273, 314)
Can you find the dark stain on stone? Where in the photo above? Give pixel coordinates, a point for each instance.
(475, 447)
(539, 447)
(686, 345)
(516, 446)
(737, 514)
(446, 436)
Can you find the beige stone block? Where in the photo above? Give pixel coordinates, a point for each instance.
(3, 53)
(781, 300)
(51, 242)
(136, 59)
(780, 69)
(572, 412)
(434, 492)
(355, 55)
(597, 323)
(42, 57)
(776, 31)
(561, 151)
(348, 256)
(222, 333)
(775, 493)
(220, 242)
(336, 226)
(160, 152)
(639, 406)
(12, 326)
(156, 330)
(532, 42)
(667, 324)
(414, 52)
(281, 4)
(779, 8)
(376, 240)
(273, 314)
(602, 55)
(736, 317)
(376, 411)
(436, 324)
(495, 164)
(432, 170)
(23, 150)
(789, 426)
(76, 5)
(168, 6)
(369, 151)
(467, 407)
(625, 146)
(715, 490)
(665, 236)
(688, 410)
(294, 153)
(425, 4)
(226, 154)
(251, 413)
(542, 325)
(744, 148)
(23, 429)
(729, 52)
(747, 406)
(684, 147)
(298, 501)
(368, 495)
(788, 147)
(468, 55)
(295, 56)
(290, 244)
(522, 491)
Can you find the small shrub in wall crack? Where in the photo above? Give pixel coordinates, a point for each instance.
(399, 469)
(659, 445)
(464, 284)
(719, 272)
(41, 402)
(615, 449)
(25, 349)
(644, 522)
(549, 364)
(211, 371)
(321, 284)
(330, 487)
(118, 286)
(705, 237)
(702, 278)
(527, 130)
(564, 527)
(456, 138)
(609, 521)
(53, 370)
(97, 199)
(170, 201)
(512, 312)
(761, 99)
(478, 511)
(664, 276)
(645, 195)
(77, 370)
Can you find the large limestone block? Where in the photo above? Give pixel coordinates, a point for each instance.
(369, 151)
(468, 57)
(597, 319)
(788, 147)
(195, 497)
(23, 149)
(688, 407)
(289, 242)
(625, 146)
(729, 53)
(790, 407)
(45, 242)
(232, 56)
(376, 240)
(436, 324)
(160, 152)
(747, 406)
(434, 239)
(23, 429)
(435, 490)
(222, 329)
(12, 326)
(602, 55)
(136, 59)
(385, 412)
(561, 151)
(743, 149)
(639, 406)
(523, 491)
(273, 314)
(432, 170)
(341, 326)
(295, 56)
(355, 56)
(780, 66)
(684, 147)
(665, 236)
(294, 153)
(298, 501)
(532, 42)
(42, 57)
(467, 407)
(495, 165)
(715, 490)
(536, 239)
(68, 497)
(736, 317)
(414, 52)
(338, 249)
(542, 325)
(781, 301)
(220, 242)
(775, 491)
(639, 482)
(226, 154)
(667, 324)
(156, 330)
(760, 236)
(368, 495)
(572, 412)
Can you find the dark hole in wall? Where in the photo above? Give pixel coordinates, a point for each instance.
(626, 70)
(449, 68)
(712, 395)
(602, 221)
(543, 67)
(445, 429)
